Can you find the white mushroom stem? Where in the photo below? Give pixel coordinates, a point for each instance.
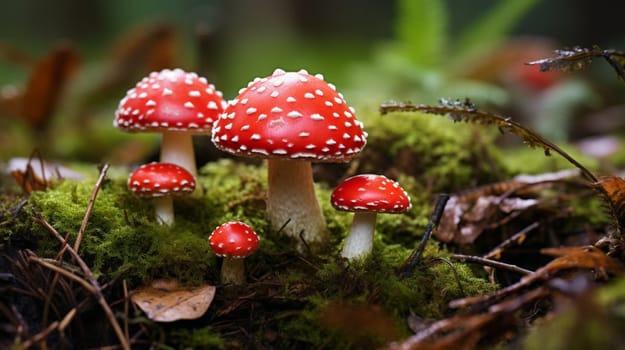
(291, 197)
(233, 271)
(359, 241)
(177, 148)
(164, 209)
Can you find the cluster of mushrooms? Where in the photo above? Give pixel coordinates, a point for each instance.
(289, 118)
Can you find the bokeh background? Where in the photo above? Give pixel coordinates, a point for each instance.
(364, 47)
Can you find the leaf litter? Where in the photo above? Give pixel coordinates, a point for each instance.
(167, 301)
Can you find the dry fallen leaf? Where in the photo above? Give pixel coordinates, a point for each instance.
(613, 189)
(46, 83)
(35, 174)
(166, 301)
(470, 213)
(465, 218)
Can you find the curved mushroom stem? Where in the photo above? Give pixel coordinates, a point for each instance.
(177, 148)
(164, 209)
(233, 271)
(359, 241)
(291, 198)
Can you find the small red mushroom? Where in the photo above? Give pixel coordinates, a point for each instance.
(175, 103)
(161, 181)
(366, 195)
(233, 241)
(291, 118)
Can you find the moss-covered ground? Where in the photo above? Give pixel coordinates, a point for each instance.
(291, 299)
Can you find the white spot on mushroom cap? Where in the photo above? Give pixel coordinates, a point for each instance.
(294, 114)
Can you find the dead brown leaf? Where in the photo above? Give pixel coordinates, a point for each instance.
(467, 216)
(36, 174)
(166, 301)
(469, 213)
(613, 188)
(46, 84)
(588, 257)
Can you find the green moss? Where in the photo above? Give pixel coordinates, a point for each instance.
(375, 281)
(122, 237)
(122, 240)
(439, 155)
(194, 338)
(526, 160)
(14, 222)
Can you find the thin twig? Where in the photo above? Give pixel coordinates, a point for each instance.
(491, 263)
(517, 238)
(40, 336)
(414, 258)
(67, 319)
(94, 194)
(89, 275)
(48, 298)
(126, 307)
(65, 273)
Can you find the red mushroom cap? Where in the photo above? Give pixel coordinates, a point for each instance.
(160, 179)
(290, 115)
(170, 100)
(233, 240)
(375, 193)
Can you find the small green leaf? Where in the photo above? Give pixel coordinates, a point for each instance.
(494, 26)
(421, 29)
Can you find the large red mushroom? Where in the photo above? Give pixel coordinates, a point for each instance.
(292, 119)
(175, 103)
(366, 195)
(160, 182)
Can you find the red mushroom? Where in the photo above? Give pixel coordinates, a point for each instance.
(291, 119)
(161, 181)
(233, 241)
(366, 195)
(177, 104)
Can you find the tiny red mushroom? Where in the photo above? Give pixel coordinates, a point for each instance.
(175, 103)
(291, 118)
(366, 195)
(161, 181)
(233, 241)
